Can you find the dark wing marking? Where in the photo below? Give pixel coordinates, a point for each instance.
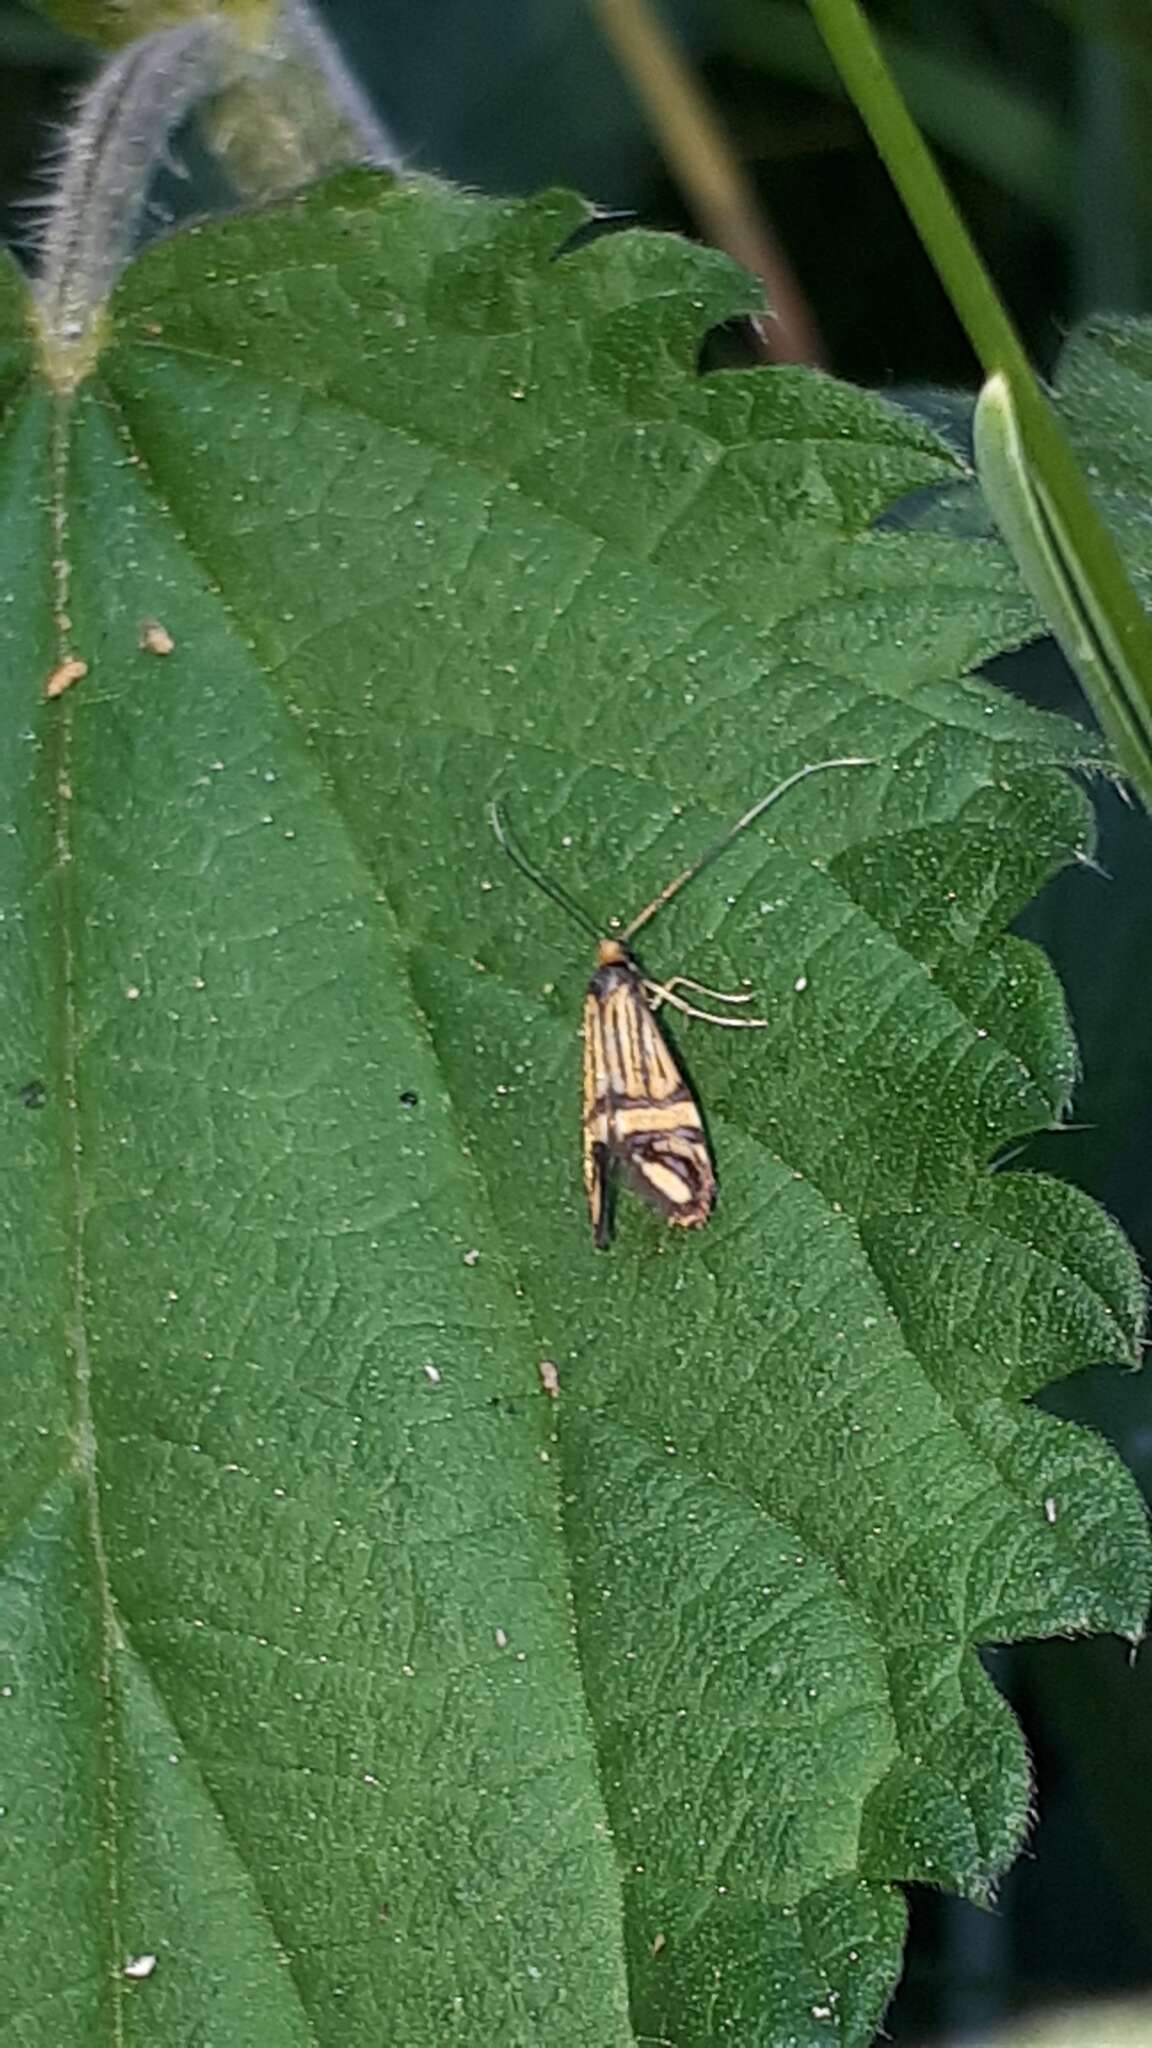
(595, 1130)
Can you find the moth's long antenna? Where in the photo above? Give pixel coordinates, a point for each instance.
(762, 804)
(549, 888)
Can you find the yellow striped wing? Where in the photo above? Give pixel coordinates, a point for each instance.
(639, 1112)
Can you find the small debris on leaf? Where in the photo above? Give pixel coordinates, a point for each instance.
(62, 678)
(153, 638)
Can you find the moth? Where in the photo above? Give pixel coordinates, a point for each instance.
(641, 1121)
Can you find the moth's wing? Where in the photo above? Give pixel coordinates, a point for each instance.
(655, 1132)
(673, 1171)
(595, 1132)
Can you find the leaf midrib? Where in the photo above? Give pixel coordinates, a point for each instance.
(60, 761)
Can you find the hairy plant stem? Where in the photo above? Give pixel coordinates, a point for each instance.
(286, 109)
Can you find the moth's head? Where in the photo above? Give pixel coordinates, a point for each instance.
(610, 953)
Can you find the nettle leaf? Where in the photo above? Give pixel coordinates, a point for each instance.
(345, 1673)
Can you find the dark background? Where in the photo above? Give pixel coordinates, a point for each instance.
(1041, 112)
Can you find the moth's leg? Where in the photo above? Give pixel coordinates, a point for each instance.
(659, 992)
(745, 995)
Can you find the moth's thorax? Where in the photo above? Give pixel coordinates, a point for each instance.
(614, 964)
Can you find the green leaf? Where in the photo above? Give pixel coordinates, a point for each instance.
(346, 1674)
(1113, 664)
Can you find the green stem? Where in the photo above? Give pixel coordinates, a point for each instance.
(1089, 571)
